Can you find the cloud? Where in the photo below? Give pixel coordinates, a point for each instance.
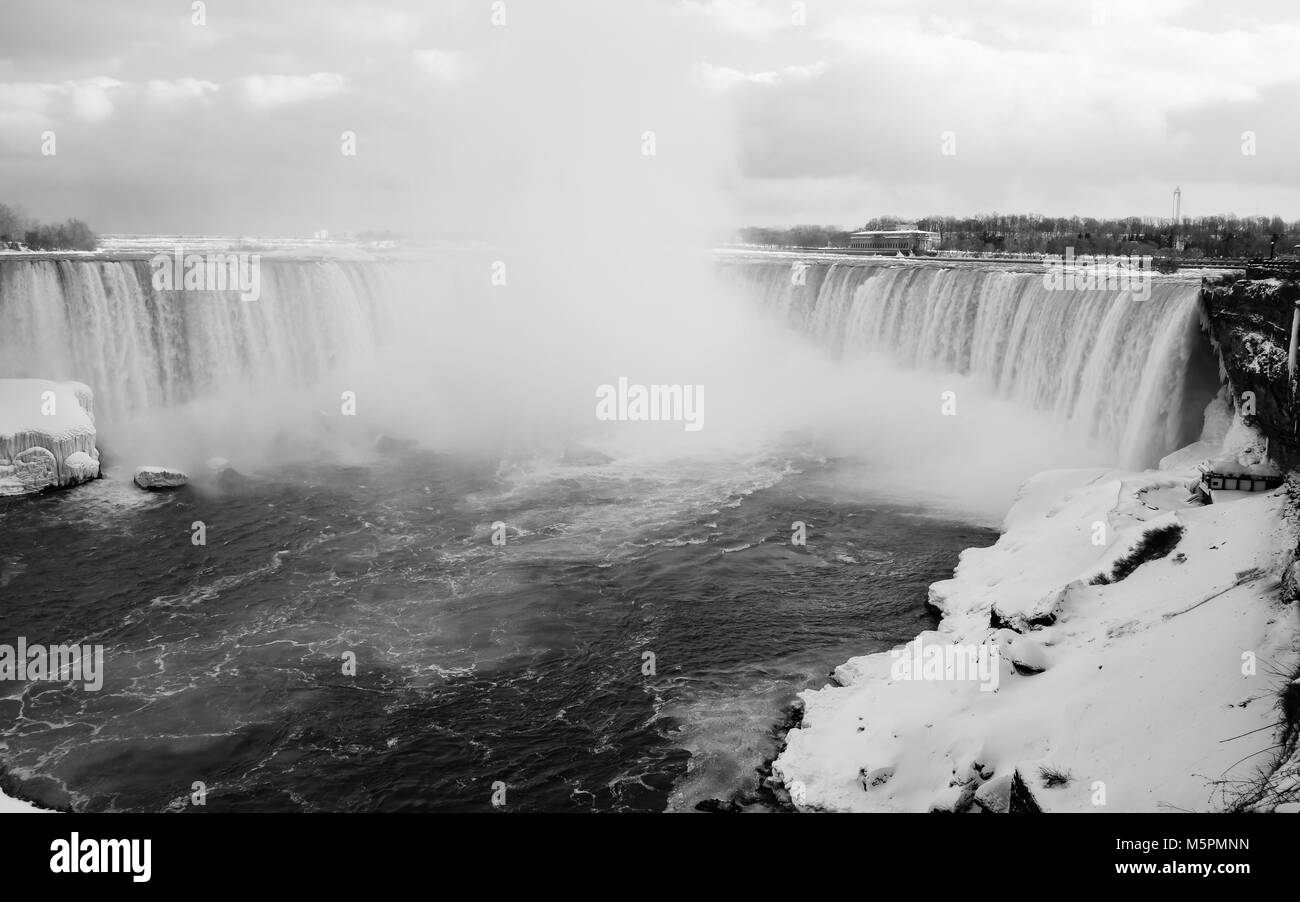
(31, 106)
(92, 98)
(722, 78)
(749, 18)
(23, 109)
(372, 24)
(266, 92)
(1050, 112)
(180, 90)
(463, 124)
(35, 105)
(441, 65)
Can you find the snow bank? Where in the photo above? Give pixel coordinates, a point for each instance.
(1137, 684)
(47, 435)
(13, 806)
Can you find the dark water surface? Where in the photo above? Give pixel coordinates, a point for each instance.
(476, 663)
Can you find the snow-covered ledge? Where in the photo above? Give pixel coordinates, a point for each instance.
(14, 806)
(1135, 672)
(47, 435)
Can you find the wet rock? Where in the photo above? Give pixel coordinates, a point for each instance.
(718, 806)
(1021, 800)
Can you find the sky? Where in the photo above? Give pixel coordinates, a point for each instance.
(580, 119)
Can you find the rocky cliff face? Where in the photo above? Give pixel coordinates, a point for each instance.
(1249, 320)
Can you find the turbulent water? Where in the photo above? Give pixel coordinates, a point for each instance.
(476, 663)
(647, 619)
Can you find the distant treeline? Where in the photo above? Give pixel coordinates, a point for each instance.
(1204, 236)
(16, 228)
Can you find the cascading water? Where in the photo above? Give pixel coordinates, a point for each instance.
(1132, 374)
(103, 323)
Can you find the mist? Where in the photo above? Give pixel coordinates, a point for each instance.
(589, 175)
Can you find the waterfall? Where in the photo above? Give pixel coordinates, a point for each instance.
(102, 323)
(1132, 374)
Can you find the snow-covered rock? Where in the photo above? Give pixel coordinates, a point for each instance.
(47, 435)
(1128, 700)
(80, 466)
(1248, 320)
(1025, 654)
(994, 796)
(159, 478)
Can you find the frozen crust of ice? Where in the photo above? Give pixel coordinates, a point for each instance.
(47, 435)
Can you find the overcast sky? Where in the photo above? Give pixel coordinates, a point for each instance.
(762, 112)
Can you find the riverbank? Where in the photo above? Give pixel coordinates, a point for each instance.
(14, 806)
(1144, 641)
